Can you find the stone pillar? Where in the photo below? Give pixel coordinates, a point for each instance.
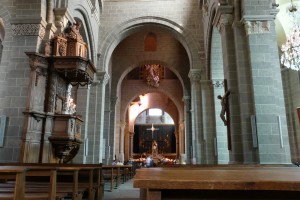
(197, 123)
(82, 101)
(209, 128)
(181, 138)
(102, 77)
(112, 140)
(188, 129)
(177, 139)
(223, 21)
(268, 100)
(122, 139)
(126, 142)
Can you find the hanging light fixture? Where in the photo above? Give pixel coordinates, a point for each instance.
(290, 56)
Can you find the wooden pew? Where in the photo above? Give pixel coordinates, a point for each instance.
(218, 182)
(114, 173)
(63, 180)
(111, 174)
(18, 174)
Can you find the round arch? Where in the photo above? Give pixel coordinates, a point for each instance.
(113, 38)
(142, 108)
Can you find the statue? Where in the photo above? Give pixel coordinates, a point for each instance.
(224, 104)
(154, 148)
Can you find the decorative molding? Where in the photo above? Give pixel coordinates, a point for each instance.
(38, 64)
(37, 61)
(257, 27)
(28, 29)
(218, 83)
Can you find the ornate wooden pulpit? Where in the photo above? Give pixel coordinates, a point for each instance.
(52, 128)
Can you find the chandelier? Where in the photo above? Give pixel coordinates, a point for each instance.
(290, 56)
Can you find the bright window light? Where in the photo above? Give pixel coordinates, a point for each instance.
(155, 112)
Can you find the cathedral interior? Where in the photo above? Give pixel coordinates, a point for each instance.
(92, 81)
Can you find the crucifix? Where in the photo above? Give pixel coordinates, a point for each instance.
(152, 129)
(225, 112)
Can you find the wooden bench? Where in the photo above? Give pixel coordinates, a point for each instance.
(18, 174)
(111, 174)
(64, 180)
(114, 173)
(218, 182)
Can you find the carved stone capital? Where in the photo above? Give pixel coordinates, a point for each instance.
(113, 101)
(225, 20)
(195, 75)
(122, 125)
(224, 17)
(102, 77)
(187, 101)
(257, 27)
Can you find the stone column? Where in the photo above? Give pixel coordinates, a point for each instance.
(197, 123)
(181, 138)
(188, 130)
(102, 77)
(209, 128)
(112, 140)
(177, 139)
(126, 143)
(122, 139)
(269, 120)
(223, 21)
(83, 100)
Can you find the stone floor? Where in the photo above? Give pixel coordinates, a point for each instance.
(124, 192)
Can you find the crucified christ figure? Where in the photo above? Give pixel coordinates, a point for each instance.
(224, 104)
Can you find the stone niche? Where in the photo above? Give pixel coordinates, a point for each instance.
(56, 76)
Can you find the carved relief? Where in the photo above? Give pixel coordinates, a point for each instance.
(28, 29)
(60, 45)
(257, 27)
(61, 87)
(73, 32)
(52, 93)
(218, 83)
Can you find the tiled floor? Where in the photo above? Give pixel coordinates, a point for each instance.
(124, 192)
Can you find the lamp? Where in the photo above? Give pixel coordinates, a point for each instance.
(290, 56)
